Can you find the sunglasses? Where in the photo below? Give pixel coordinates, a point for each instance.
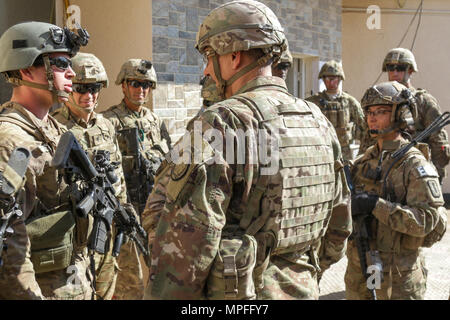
(62, 63)
(82, 88)
(283, 65)
(396, 67)
(137, 84)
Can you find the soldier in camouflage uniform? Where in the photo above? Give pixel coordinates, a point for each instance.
(137, 77)
(281, 68)
(94, 133)
(403, 199)
(343, 110)
(400, 64)
(47, 255)
(223, 222)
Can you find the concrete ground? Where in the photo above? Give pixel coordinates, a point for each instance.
(437, 259)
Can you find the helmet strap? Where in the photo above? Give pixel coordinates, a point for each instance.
(226, 83)
(51, 83)
(50, 79)
(80, 108)
(221, 86)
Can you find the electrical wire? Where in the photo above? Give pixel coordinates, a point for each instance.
(418, 25)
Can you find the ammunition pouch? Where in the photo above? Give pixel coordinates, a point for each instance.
(51, 238)
(231, 275)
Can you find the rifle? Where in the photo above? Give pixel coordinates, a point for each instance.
(144, 170)
(99, 198)
(361, 234)
(436, 125)
(10, 183)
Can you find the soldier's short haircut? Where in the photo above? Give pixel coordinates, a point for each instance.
(39, 62)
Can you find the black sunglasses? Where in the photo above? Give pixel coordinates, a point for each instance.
(137, 84)
(82, 88)
(283, 65)
(62, 63)
(396, 67)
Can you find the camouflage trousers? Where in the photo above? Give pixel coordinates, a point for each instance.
(130, 281)
(396, 285)
(285, 280)
(71, 283)
(106, 275)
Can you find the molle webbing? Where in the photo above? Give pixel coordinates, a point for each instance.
(307, 172)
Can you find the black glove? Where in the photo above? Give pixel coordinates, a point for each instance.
(363, 203)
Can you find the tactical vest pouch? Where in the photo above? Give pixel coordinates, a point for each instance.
(342, 119)
(332, 115)
(231, 275)
(439, 231)
(51, 238)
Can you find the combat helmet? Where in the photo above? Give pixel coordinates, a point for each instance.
(286, 57)
(285, 61)
(240, 26)
(400, 56)
(23, 43)
(88, 69)
(332, 68)
(395, 94)
(139, 69)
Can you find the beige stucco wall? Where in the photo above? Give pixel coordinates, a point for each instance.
(363, 50)
(119, 31)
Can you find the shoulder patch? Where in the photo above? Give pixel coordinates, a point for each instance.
(434, 188)
(426, 171)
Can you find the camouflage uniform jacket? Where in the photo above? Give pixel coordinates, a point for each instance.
(98, 134)
(45, 192)
(154, 138)
(428, 110)
(192, 203)
(407, 211)
(346, 115)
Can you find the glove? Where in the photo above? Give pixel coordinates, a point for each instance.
(363, 204)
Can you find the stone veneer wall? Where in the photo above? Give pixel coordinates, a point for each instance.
(313, 27)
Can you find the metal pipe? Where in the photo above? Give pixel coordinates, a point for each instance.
(393, 10)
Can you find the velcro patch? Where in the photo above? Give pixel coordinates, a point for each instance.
(434, 188)
(427, 171)
(17, 44)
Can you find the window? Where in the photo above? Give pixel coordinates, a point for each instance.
(302, 77)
